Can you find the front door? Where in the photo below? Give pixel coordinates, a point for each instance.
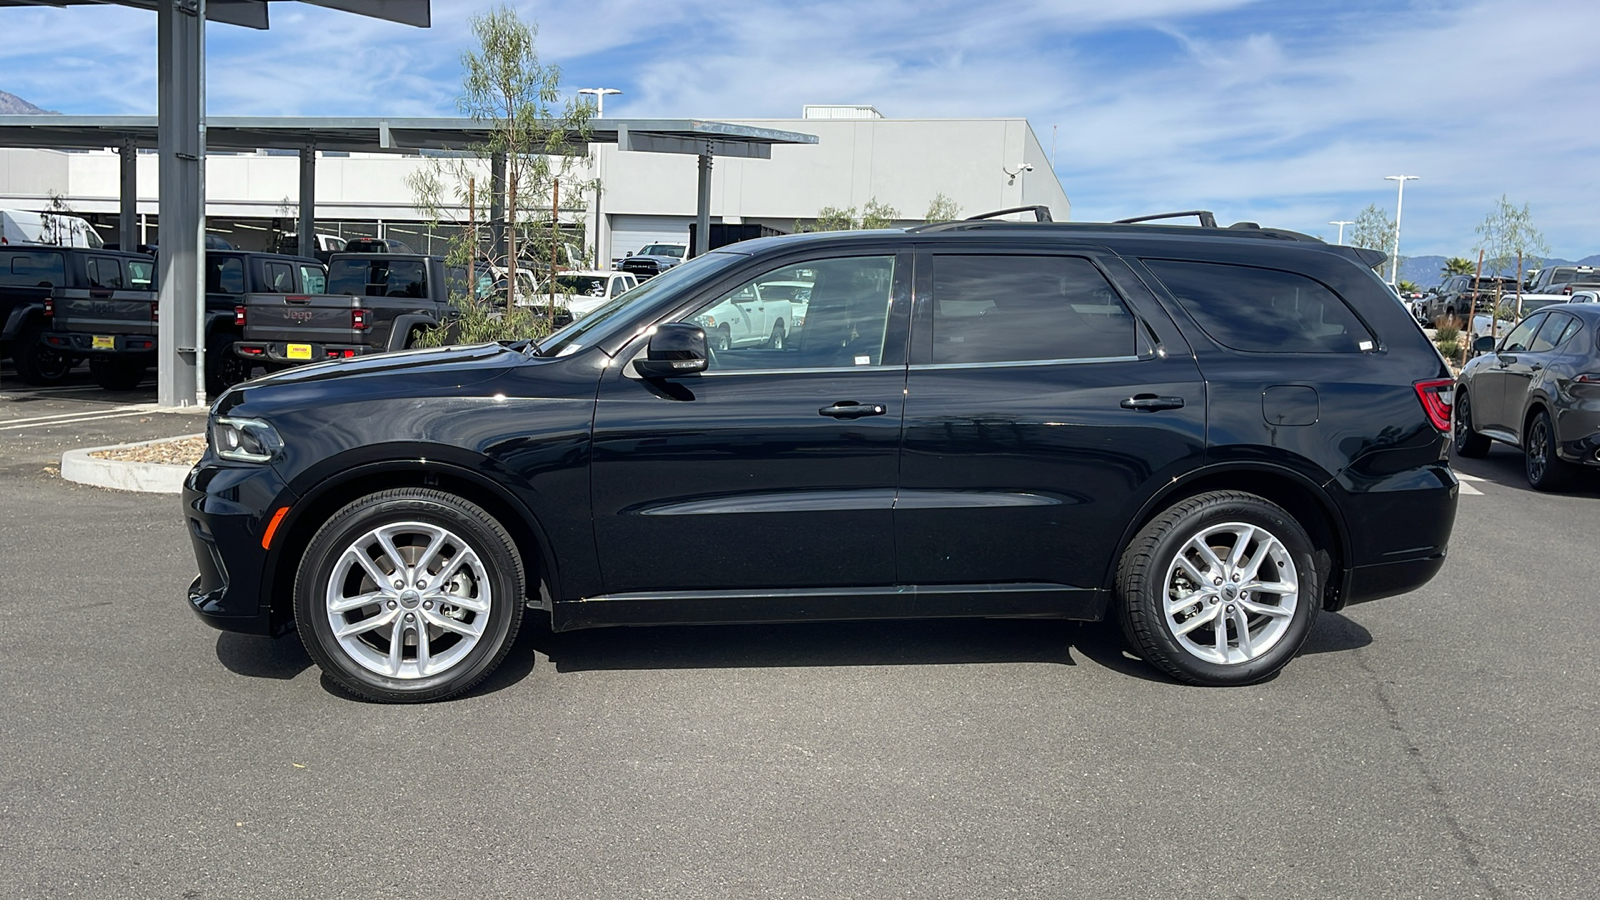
(1047, 397)
(1491, 400)
(772, 471)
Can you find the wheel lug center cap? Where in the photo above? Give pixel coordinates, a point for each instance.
(410, 599)
(1230, 590)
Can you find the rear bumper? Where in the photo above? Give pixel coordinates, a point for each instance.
(131, 345)
(278, 352)
(226, 509)
(1399, 527)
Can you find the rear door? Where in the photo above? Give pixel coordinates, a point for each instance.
(1048, 396)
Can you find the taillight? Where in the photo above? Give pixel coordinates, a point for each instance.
(358, 318)
(1567, 290)
(239, 316)
(155, 311)
(49, 308)
(1436, 397)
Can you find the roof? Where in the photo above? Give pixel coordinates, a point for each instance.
(253, 13)
(387, 134)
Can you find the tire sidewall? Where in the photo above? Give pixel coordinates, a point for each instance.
(356, 519)
(1165, 542)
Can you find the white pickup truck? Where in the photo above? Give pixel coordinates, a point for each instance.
(763, 314)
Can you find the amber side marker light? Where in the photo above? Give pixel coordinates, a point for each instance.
(272, 528)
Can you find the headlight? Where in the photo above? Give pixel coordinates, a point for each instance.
(244, 440)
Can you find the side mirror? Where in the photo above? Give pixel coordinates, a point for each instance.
(1483, 344)
(676, 348)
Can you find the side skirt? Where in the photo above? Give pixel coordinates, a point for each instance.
(1048, 601)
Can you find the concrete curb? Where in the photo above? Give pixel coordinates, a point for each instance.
(150, 478)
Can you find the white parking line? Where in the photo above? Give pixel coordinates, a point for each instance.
(83, 412)
(47, 421)
(1465, 477)
(1468, 490)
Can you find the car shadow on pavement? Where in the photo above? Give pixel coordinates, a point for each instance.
(1104, 644)
(883, 643)
(1504, 466)
(254, 656)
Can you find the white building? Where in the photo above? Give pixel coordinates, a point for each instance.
(979, 164)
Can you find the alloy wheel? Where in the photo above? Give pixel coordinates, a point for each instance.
(1231, 593)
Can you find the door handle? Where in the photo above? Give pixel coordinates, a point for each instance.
(850, 409)
(1151, 403)
(1535, 367)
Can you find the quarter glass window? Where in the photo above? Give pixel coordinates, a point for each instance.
(990, 309)
(1263, 310)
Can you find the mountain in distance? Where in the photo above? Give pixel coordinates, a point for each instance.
(1426, 271)
(12, 105)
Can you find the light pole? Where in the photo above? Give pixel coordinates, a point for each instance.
(1341, 223)
(599, 99)
(1394, 268)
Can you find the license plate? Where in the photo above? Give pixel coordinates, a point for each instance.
(299, 351)
(103, 342)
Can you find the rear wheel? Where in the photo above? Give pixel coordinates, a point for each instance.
(1467, 443)
(115, 374)
(775, 341)
(36, 363)
(1219, 590)
(224, 368)
(1546, 470)
(409, 595)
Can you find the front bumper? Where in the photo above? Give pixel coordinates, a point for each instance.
(278, 352)
(227, 509)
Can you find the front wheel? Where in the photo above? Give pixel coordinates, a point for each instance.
(409, 595)
(1220, 589)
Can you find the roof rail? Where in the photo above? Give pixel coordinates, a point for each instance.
(1207, 220)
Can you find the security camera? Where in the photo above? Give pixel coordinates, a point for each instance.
(1027, 167)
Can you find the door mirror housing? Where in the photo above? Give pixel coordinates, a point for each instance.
(1483, 344)
(676, 348)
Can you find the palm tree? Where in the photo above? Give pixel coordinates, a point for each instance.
(1457, 265)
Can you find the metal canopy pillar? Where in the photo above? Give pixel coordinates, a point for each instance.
(308, 200)
(702, 209)
(128, 194)
(180, 28)
(497, 208)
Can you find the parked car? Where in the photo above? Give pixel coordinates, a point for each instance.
(1585, 296)
(653, 259)
(38, 281)
(581, 293)
(1209, 434)
(323, 246)
(116, 330)
(1458, 295)
(373, 303)
(1563, 279)
(1539, 390)
(763, 313)
(21, 226)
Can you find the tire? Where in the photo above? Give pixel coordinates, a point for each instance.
(1546, 470)
(1467, 443)
(480, 601)
(224, 368)
(775, 340)
(114, 374)
(721, 339)
(37, 364)
(1166, 558)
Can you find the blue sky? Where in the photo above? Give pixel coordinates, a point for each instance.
(1288, 113)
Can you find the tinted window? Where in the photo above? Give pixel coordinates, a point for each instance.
(279, 276)
(33, 269)
(141, 274)
(1521, 336)
(104, 272)
(845, 323)
(224, 275)
(378, 278)
(455, 283)
(1019, 308)
(313, 280)
(1263, 310)
(1573, 327)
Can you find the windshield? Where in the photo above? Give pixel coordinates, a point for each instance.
(590, 285)
(673, 250)
(620, 310)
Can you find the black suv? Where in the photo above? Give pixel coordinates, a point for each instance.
(1209, 433)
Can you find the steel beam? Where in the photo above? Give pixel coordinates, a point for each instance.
(128, 194)
(180, 52)
(497, 207)
(308, 200)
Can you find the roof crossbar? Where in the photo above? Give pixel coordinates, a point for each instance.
(1040, 213)
(1207, 220)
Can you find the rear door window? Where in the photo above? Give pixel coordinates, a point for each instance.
(224, 275)
(1263, 310)
(313, 279)
(104, 272)
(1521, 337)
(1002, 308)
(279, 276)
(141, 274)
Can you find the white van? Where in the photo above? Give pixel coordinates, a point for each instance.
(20, 226)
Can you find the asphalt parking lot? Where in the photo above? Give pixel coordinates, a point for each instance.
(1439, 744)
